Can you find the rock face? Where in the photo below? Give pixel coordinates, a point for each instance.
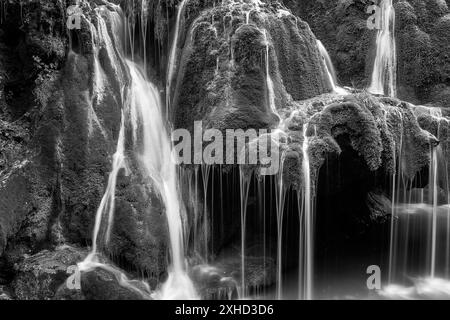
(424, 42)
(422, 33)
(341, 26)
(98, 284)
(39, 276)
(45, 275)
(32, 55)
(61, 105)
(224, 53)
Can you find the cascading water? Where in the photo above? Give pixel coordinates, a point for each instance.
(244, 186)
(280, 203)
(308, 216)
(144, 24)
(420, 226)
(172, 63)
(156, 159)
(236, 65)
(153, 150)
(270, 89)
(102, 39)
(384, 74)
(329, 69)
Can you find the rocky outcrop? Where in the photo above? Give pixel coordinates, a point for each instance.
(99, 284)
(58, 135)
(422, 31)
(342, 27)
(222, 77)
(48, 275)
(33, 50)
(375, 128)
(423, 38)
(39, 276)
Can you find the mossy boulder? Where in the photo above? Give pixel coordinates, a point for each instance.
(222, 76)
(101, 284)
(61, 109)
(39, 276)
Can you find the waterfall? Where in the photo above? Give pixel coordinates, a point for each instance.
(106, 207)
(142, 116)
(420, 224)
(244, 182)
(152, 148)
(434, 203)
(280, 202)
(384, 74)
(396, 178)
(144, 24)
(308, 215)
(171, 67)
(156, 160)
(270, 90)
(205, 179)
(102, 38)
(281, 190)
(329, 69)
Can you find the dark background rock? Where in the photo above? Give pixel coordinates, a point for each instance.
(39, 276)
(57, 139)
(98, 284)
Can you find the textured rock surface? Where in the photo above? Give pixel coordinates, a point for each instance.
(422, 33)
(39, 276)
(222, 74)
(59, 122)
(374, 128)
(98, 284)
(33, 50)
(58, 133)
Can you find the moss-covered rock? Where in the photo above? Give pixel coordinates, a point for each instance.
(102, 284)
(222, 76)
(39, 276)
(61, 109)
(422, 35)
(380, 130)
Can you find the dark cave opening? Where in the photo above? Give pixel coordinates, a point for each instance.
(348, 238)
(75, 42)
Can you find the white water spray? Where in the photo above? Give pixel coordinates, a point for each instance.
(418, 261)
(156, 160)
(384, 74)
(329, 69)
(270, 90)
(153, 150)
(308, 216)
(172, 64)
